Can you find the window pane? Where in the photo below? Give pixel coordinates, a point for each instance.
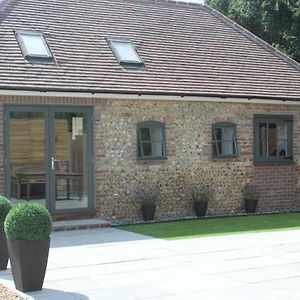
(145, 134)
(156, 134)
(282, 131)
(219, 145)
(125, 51)
(227, 138)
(282, 139)
(218, 132)
(147, 149)
(157, 149)
(263, 139)
(34, 45)
(27, 156)
(272, 139)
(282, 148)
(263, 148)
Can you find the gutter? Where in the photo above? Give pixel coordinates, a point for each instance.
(129, 95)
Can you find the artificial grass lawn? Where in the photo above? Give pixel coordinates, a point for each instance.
(217, 226)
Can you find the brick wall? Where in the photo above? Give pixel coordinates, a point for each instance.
(189, 151)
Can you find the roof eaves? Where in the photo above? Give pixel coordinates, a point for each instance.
(44, 90)
(252, 36)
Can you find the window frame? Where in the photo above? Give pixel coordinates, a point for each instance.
(149, 125)
(35, 58)
(277, 119)
(215, 149)
(129, 64)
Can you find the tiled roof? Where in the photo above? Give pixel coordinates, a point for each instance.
(187, 50)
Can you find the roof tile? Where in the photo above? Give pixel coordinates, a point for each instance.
(187, 49)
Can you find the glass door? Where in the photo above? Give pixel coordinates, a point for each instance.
(26, 157)
(71, 159)
(48, 156)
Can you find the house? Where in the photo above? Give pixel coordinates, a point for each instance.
(101, 99)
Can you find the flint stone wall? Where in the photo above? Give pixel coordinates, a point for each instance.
(120, 174)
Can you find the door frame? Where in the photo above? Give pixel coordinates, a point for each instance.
(49, 111)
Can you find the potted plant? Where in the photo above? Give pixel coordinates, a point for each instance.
(5, 207)
(251, 197)
(28, 227)
(149, 202)
(200, 197)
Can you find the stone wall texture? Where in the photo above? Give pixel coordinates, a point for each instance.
(119, 174)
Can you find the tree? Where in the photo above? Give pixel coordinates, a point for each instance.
(275, 21)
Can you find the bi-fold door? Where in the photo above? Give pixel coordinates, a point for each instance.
(49, 156)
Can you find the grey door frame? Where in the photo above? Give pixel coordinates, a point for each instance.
(49, 111)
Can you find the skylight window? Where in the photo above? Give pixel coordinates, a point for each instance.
(34, 45)
(125, 53)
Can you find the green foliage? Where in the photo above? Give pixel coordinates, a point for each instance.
(201, 194)
(148, 198)
(28, 221)
(250, 192)
(275, 21)
(5, 207)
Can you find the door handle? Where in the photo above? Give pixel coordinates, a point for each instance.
(53, 160)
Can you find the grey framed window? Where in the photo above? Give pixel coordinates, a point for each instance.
(34, 46)
(224, 140)
(273, 139)
(151, 140)
(125, 52)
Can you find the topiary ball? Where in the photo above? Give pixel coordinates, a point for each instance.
(5, 207)
(28, 221)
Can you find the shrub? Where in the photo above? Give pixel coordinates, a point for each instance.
(149, 198)
(28, 221)
(5, 207)
(201, 194)
(250, 192)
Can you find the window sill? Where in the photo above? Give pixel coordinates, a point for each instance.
(274, 163)
(225, 157)
(151, 158)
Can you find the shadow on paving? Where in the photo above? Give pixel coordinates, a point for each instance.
(56, 294)
(93, 236)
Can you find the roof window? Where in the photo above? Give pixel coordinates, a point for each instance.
(125, 53)
(34, 46)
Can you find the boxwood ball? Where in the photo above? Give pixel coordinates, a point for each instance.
(5, 207)
(28, 221)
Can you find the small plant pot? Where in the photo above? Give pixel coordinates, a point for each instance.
(3, 250)
(28, 263)
(148, 212)
(250, 206)
(200, 208)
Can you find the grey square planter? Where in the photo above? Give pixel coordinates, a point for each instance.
(28, 263)
(3, 250)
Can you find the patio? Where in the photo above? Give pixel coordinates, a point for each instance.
(118, 265)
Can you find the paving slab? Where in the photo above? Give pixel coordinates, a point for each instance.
(79, 224)
(113, 264)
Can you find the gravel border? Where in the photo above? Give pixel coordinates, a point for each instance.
(8, 294)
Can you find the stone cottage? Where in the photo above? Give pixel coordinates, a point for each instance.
(101, 99)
